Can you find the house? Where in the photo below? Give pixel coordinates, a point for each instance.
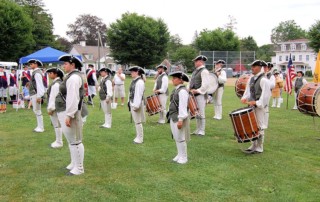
(303, 56)
(98, 56)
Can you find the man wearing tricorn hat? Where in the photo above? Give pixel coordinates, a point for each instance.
(92, 82)
(68, 106)
(298, 83)
(199, 85)
(179, 116)
(217, 96)
(37, 91)
(161, 89)
(135, 102)
(105, 94)
(257, 95)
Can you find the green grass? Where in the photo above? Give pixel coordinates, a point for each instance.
(118, 170)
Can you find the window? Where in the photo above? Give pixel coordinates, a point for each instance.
(293, 58)
(287, 58)
(283, 47)
(303, 46)
(280, 58)
(293, 46)
(300, 57)
(307, 57)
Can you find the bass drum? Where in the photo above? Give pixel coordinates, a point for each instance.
(213, 83)
(308, 99)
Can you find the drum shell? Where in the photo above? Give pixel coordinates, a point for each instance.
(240, 85)
(153, 105)
(245, 124)
(308, 99)
(193, 106)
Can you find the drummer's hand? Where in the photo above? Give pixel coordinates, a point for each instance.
(193, 91)
(252, 103)
(39, 100)
(155, 91)
(244, 101)
(68, 121)
(50, 113)
(179, 124)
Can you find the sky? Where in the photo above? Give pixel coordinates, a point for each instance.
(254, 18)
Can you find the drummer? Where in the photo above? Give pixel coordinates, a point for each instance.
(161, 89)
(257, 95)
(298, 83)
(217, 96)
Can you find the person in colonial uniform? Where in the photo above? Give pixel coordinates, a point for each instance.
(257, 95)
(13, 84)
(267, 68)
(25, 76)
(161, 89)
(92, 83)
(37, 91)
(136, 103)
(199, 84)
(298, 83)
(179, 116)
(3, 85)
(68, 106)
(56, 75)
(276, 90)
(217, 96)
(105, 94)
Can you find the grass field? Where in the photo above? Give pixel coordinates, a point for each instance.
(118, 170)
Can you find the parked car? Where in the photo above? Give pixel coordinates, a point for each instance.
(150, 72)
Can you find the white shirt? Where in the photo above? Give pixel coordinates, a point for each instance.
(222, 78)
(205, 77)
(117, 80)
(272, 82)
(138, 94)
(183, 104)
(52, 97)
(165, 82)
(108, 83)
(39, 82)
(73, 97)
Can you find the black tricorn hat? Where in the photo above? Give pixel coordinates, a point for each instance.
(270, 65)
(56, 70)
(260, 63)
(137, 69)
(220, 62)
(105, 69)
(162, 66)
(300, 72)
(200, 57)
(71, 59)
(180, 75)
(38, 62)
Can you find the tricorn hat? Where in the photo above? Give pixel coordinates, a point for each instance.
(220, 62)
(260, 63)
(270, 65)
(180, 75)
(300, 72)
(200, 57)
(105, 69)
(71, 59)
(137, 69)
(56, 70)
(162, 66)
(38, 62)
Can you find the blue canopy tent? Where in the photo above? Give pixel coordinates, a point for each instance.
(46, 55)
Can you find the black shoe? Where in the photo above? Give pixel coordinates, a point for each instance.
(69, 174)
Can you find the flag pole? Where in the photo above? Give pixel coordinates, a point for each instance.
(287, 100)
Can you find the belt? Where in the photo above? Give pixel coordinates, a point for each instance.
(118, 84)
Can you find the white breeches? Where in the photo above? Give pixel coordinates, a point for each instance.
(73, 133)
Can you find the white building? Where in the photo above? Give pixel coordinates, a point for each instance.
(303, 56)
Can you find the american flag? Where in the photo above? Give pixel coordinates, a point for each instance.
(290, 76)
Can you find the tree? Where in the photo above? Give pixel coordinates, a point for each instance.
(63, 44)
(248, 44)
(184, 55)
(86, 28)
(231, 25)
(15, 32)
(139, 40)
(217, 40)
(314, 36)
(286, 31)
(265, 52)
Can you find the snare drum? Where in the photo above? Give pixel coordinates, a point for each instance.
(308, 99)
(241, 84)
(153, 105)
(193, 106)
(245, 124)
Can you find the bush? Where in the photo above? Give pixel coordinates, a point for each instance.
(309, 73)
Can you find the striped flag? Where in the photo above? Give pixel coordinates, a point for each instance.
(290, 76)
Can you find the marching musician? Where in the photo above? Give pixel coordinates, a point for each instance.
(272, 82)
(37, 91)
(161, 89)
(3, 85)
(135, 102)
(25, 76)
(105, 94)
(298, 83)
(92, 82)
(257, 95)
(56, 75)
(179, 116)
(217, 96)
(68, 106)
(199, 85)
(13, 85)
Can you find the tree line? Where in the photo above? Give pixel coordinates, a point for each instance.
(133, 39)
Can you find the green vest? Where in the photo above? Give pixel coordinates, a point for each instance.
(298, 84)
(61, 97)
(49, 89)
(132, 89)
(103, 88)
(255, 88)
(174, 104)
(33, 83)
(196, 79)
(159, 83)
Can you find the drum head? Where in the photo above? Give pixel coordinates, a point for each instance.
(317, 102)
(213, 85)
(241, 111)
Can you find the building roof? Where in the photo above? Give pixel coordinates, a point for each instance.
(93, 51)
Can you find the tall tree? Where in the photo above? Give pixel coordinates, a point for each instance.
(86, 28)
(265, 52)
(15, 32)
(63, 44)
(287, 30)
(248, 44)
(184, 55)
(174, 43)
(314, 36)
(217, 40)
(138, 39)
(231, 25)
